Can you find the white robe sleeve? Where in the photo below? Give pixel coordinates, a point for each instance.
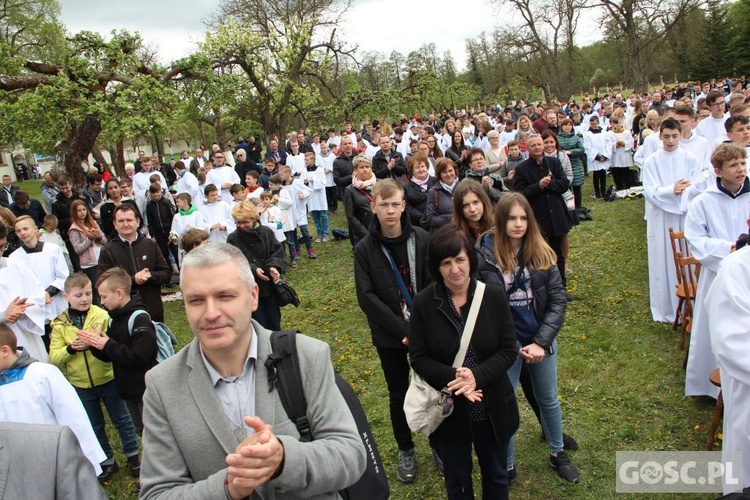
(728, 304)
(68, 410)
(708, 250)
(661, 196)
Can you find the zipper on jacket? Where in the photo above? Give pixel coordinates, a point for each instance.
(88, 370)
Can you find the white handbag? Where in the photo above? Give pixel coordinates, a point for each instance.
(426, 407)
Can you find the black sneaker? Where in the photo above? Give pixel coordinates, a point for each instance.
(438, 463)
(569, 443)
(135, 466)
(107, 472)
(565, 469)
(407, 466)
(512, 476)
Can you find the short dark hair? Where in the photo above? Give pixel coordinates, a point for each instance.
(93, 178)
(21, 197)
(184, 196)
(670, 124)
(447, 242)
(210, 188)
(727, 124)
(125, 207)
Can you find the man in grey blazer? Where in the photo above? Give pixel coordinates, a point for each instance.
(213, 428)
(44, 461)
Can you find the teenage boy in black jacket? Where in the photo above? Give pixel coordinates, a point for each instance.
(159, 214)
(380, 299)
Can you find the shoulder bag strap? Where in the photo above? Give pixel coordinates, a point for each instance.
(399, 279)
(471, 320)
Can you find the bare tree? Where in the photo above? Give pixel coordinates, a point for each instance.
(643, 24)
(288, 50)
(545, 42)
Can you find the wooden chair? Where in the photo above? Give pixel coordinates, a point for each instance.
(679, 245)
(689, 270)
(715, 379)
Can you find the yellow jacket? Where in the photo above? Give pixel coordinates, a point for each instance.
(82, 368)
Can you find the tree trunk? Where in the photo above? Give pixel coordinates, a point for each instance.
(118, 158)
(159, 145)
(640, 83)
(76, 148)
(221, 137)
(204, 142)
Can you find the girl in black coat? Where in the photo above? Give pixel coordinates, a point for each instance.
(485, 413)
(516, 257)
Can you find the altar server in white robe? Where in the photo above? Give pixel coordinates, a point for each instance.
(715, 219)
(712, 126)
(691, 141)
(217, 215)
(46, 261)
(188, 183)
(22, 303)
(728, 305)
(667, 174)
(222, 177)
(32, 392)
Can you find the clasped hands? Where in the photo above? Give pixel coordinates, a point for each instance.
(465, 385)
(16, 309)
(255, 461)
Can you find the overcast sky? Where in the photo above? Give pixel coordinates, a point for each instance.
(381, 25)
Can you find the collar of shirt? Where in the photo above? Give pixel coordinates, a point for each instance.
(252, 357)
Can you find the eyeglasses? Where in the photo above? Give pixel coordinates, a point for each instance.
(244, 222)
(717, 104)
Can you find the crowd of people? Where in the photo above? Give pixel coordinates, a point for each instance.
(433, 206)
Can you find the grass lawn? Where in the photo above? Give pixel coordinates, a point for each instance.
(620, 375)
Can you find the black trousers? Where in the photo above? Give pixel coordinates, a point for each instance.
(556, 243)
(333, 203)
(395, 364)
(93, 274)
(457, 463)
(135, 408)
(600, 183)
(578, 196)
(621, 178)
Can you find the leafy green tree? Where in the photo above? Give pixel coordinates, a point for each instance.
(83, 86)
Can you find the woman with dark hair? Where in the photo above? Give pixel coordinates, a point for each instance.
(435, 151)
(485, 414)
(439, 208)
(424, 149)
(472, 209)
(107, 207)
(516, 257)
(415, 191)
(458, 153)
(87, 241)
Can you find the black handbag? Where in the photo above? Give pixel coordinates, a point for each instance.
(285, 294)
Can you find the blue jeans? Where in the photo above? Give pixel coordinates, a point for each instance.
(320, 218)
(544, 380)
(291, 240)
(457, 464)
(305, 238)
(118, 414)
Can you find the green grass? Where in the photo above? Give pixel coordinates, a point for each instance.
(620, 375)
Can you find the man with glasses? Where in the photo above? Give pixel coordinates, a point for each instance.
(222, 177)
(712, 127)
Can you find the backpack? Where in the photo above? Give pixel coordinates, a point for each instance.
(284, 375)
(165, 339)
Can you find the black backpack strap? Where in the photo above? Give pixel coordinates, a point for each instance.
(284, 375)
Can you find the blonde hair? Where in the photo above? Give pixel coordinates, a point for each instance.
(245, 210)
(537, 254)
